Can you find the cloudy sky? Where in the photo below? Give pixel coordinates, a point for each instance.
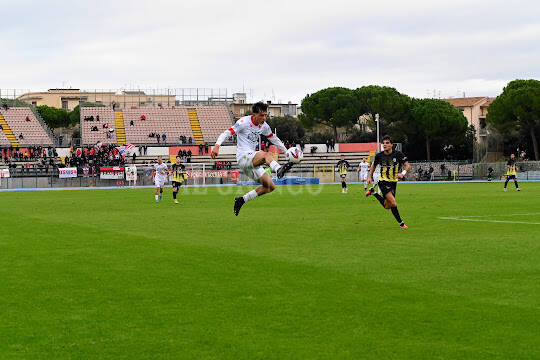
(275, 50)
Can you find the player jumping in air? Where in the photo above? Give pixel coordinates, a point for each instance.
(511, 172)
(248, 129)
(363, 169)
(178, 176)
(342, 166)
(161, 172)
(391, 163)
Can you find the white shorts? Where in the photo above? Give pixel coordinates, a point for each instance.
(159, 182)
(245, 163)
(375, 178)
(363, 176)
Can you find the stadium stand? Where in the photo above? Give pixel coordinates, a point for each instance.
(106, 117)
(201, 123)
(23, 121)
(214, 120)
(173, 122)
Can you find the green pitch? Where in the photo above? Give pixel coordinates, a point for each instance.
(303, 273)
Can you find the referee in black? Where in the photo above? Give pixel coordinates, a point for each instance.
(394, 165)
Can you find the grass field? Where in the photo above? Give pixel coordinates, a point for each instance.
(303, 273)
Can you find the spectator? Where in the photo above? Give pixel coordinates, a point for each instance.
(490, 173)
(21, 137)
(302, 144)
(1, 128)
(158, 138)
(431, 175)
(97, 118)
(143, 117)
(164, 137)
(443, 167)
(27, 118)
(190, 140)
(5, 106)
(134, 157)
(327, 145)
(114, 105)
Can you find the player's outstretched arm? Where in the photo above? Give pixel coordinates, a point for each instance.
(215, 151)
(277, 142)
(406, 168)
(224, 136)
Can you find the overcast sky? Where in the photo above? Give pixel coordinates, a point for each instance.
(275, 50)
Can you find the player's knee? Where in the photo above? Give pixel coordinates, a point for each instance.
(271, 187)
(268, 157)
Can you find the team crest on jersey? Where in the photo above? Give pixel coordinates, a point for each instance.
(394, 159)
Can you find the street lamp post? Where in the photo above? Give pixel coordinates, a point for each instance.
(377, 121)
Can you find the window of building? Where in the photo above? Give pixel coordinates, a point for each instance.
(482, 123)
(64, 104)
(242, 111)
(34, 103)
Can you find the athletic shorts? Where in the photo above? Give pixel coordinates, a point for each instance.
(363, 176)
(159, 182)
(176, 184)
(245, 163)
(343, 176)
(510, 177)
(375, 178)
(388, 186)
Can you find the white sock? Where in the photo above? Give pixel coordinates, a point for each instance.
(157, 198)
(250, 195)
(275, 166)
(365, 186)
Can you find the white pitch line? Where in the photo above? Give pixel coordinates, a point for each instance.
(491, 221)
(481, 216)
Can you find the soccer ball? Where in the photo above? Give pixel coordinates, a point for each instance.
(294, 155)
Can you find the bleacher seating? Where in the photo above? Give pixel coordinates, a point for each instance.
(32, 130)
(214, 120)
(3, 139)
(106, 116)
(173, 122)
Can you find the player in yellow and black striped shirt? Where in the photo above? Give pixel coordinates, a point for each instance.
(394, 165)
(178, 176)
(342, 167)
(511, 172)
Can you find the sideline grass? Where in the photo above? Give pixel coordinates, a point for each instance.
(303, 273)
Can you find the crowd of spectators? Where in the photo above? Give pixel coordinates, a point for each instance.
(95, 156)
(33, 157)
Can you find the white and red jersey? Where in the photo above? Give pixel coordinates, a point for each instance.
(160, 171)
(247, 135)
(363, 167)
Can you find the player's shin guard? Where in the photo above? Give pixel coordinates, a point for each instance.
(250, 195)
(506, 183)
(174, 193)
(380, 198)
(515, 183)
(343, 185)
(395, 212)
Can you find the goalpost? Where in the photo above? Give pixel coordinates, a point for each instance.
(196, 174)
(325, 173)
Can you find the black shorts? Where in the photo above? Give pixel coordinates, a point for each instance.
(343, 176)
(510, 177)
(176, 184)
(388, 186)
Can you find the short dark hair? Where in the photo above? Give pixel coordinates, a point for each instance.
(387, 137)
(178, 156)
(258, 107)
